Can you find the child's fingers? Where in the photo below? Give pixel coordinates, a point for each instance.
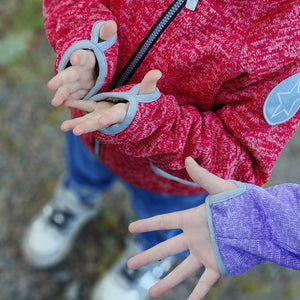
(183, 271)
(109, 119)
(100, 115)
(200, 175)
(108, 30)
(148, 84)
(76, 73)
(159, 222)
(54, 83)
(84, 105)
(83, 58)
(65, 92)
(82, 125)
(76, 80)
(91, 121)
(79, 94)
(207, 280)
(71, 124)
(88, 125)
(71, 74)
(164, 249)
(210, 182)
(116, 114)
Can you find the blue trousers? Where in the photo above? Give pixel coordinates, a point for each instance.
(86, 176)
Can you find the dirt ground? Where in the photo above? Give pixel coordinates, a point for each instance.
(31, 161)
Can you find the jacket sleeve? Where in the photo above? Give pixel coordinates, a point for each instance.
(232, 141)
(230, 137)
(74, 24)
(252, 225)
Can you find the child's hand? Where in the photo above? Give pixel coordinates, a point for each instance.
(105, 113)
(76, 81)
(195, 238)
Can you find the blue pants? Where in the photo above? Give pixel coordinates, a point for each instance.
(87, 177)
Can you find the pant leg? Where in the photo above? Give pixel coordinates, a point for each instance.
(147, 204)
(85, 175)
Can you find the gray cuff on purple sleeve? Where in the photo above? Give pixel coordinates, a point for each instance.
(133, 98)
(241, 187)
(98, 47)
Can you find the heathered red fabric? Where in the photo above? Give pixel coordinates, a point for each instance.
(219, 64)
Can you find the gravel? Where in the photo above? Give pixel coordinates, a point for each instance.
(31, 161)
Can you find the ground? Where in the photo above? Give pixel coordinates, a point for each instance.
(31, 161)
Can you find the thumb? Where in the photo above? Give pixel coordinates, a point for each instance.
(148, 84)
(84, 58)
(108, 30)
(210, 182)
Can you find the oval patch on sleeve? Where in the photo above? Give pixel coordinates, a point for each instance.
(283, 102)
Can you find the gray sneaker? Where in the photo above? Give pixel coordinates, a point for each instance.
(122, 283)
(52, 232)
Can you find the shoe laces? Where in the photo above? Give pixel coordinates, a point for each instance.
(58, 216)
(59, 213)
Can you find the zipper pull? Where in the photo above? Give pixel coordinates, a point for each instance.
(191, 4)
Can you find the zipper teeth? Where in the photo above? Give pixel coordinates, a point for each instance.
(147, 44)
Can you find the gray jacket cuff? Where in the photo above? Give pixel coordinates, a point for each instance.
(221, 197)
(133, 97)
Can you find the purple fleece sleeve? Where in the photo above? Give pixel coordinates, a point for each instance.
(251, 225)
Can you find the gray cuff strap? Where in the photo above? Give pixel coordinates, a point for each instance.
(133, 98)
(241, 187)
(98, 47)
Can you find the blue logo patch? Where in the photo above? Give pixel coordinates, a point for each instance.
(283, 102)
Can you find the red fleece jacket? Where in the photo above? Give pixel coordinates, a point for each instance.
(219, 64)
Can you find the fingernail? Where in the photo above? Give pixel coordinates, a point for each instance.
(78, 131)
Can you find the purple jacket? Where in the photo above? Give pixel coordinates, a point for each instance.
(251, 225)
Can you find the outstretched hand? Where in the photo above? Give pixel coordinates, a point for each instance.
(195, 238)
(76, 81)
(105, 113)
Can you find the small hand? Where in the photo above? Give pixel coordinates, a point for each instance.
(195, 238)
(105, 113)
(76, 81)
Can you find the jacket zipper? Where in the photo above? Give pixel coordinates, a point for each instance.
(149, 41)
(145, 47)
